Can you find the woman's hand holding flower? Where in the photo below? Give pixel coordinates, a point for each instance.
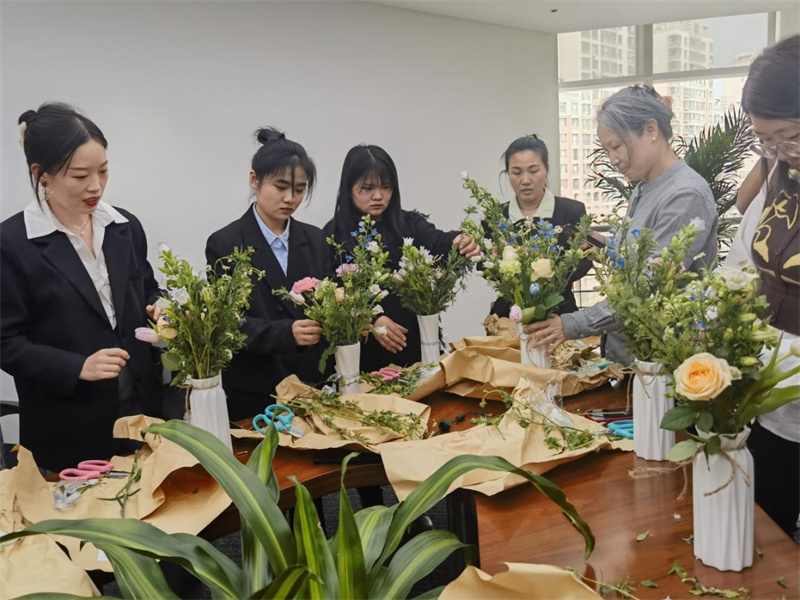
(466, 246)
(395, 339)
(550, 331)
(306, 332)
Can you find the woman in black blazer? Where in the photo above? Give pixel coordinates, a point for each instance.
(280, 340)
(527, 166)
(75, 285)
(369, 185)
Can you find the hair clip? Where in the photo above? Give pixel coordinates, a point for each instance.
(23, 127)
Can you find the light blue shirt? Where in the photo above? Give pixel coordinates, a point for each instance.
(278, 243)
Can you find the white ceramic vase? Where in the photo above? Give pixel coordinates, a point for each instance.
(538, 357)
(429, 338)
(208, 407)
(650, 403)
(348, 359)
(723, 521)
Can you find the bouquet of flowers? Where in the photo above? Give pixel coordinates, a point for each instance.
(712, 350)
(201, 314)
(427, 284)
(638, 284)
(345, 307)
(522, 261)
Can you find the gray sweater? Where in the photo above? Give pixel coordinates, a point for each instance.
(675, 198)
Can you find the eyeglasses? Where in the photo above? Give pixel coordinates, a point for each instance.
(787, 148)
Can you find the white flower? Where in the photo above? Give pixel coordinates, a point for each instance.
(464, 175)
(373, 247)
(163, 303)
(509, 253)
(476, 258)
(379, 330)
(699, 223)
(488, 243)
(374, 289)
(297, 298)
(735, 279)
(408, 241)
(426, 256)
(162, 247)
(488, 264)
(382, 294)
(180, 296)
(377, 309)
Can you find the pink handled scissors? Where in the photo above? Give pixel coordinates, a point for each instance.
(91, 469)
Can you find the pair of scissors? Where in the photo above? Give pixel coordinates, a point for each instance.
(387, 374)
(91, 469)
(281, 417)
(623, 428)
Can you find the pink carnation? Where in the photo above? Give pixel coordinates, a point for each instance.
(346, 268)
(307, 284)
(515, 314)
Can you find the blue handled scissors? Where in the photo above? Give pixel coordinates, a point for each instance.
(281, 417)
(622, 428)
(91, 469)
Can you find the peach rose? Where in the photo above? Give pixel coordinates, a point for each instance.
(703, 377)
(542, 269)
(338, 293)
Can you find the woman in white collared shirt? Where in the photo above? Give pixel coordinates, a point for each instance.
(75, 285)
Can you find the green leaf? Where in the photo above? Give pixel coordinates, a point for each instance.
(312, 547)
(285, 585)
(247, 492)
(350, 565)
(650, 584)
(682, 451)
(170, 361)
(678, 570)
(712, 446)
(255, 563)
(759, 552)
(194, 554)
(373, 525)
(678, 418)
(416, 559)
(433, 489)
(60, 596)
(705, 422)
(642, 536)
(430, 594)
(782, 583)
(138, 576)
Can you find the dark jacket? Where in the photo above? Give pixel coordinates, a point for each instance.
(270, 354)
(413, 225)
(565, 212)
(52, 320)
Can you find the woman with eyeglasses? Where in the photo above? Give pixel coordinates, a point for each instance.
(770, 237)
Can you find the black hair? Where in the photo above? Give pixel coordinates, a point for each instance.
(772, 91)
(52, 134)
(277, 154)
(526, 143)
(368, 162)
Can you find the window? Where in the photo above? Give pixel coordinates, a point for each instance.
(562, 138)
(574, 154)
(563, 153)
(574, 139)
(564, 169)
(562, 122)
(575, 123)
(587, 139)
(575, 168)
(576, 184)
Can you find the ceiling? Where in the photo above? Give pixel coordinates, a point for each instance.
(559, 16)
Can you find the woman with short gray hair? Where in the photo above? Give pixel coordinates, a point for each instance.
(634, 127)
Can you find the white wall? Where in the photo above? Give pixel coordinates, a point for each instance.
(179, 87)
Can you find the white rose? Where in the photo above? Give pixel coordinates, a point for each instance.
(488, 264)
(542, 268)
(509, 253)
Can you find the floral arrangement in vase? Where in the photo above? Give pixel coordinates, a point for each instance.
(523, 261)
(427, 286)
(638, 281)
(713, 350)
(346, 305)
(200, 321)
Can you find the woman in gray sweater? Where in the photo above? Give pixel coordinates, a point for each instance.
(633, 126)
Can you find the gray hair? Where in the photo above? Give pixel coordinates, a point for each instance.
(628, 110)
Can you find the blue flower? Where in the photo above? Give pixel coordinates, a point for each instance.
(620, 262)
(348, 258)
(635, 233)
(534, 246)
(692, 297)
(700, 325)
(555, 248)
(535, 289)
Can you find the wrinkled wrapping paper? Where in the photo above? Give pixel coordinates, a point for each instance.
(176, 494)
(521, 582)
(24, 562)
(493, 362)
(408, 464)
(319, 436)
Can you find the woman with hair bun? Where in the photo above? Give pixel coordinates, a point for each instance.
(75, 285)
(634, 127)
(280, 340)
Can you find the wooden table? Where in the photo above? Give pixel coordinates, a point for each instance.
(520, 525)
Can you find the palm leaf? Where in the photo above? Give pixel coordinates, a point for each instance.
(285, 585)
(138, 576)
(350, 565)
(373, 525)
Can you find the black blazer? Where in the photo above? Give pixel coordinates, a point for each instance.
(413, 225)
(52, 319)
(565, 212)
(271, 353)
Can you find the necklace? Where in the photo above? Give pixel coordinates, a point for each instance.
(82, 229)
